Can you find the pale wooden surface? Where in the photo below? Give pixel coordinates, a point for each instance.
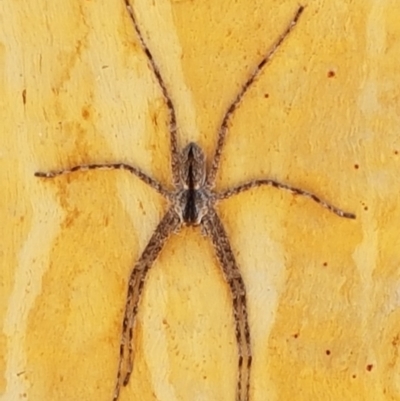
(323, 292)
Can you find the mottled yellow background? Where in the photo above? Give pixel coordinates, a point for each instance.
(323, 292)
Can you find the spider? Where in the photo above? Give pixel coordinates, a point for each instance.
(192, 203)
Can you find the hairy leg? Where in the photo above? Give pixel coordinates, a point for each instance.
(297, 191)
(214, 229)
(112, 166)
(167, 97)
(169, 224)
(233, 106)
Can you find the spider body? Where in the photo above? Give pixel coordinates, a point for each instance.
(194, 197)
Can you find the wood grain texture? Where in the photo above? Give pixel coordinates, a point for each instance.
(323, 292)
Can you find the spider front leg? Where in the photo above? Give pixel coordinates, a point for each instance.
(108, 166)
(297, 191)
(215, 230)
(169, 224)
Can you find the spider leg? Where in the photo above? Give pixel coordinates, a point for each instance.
(167, 97)
(215, 230)
(297, 191)
(233, 106)
(112, 166)
(169, 224)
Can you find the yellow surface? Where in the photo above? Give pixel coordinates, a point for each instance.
(323, 292)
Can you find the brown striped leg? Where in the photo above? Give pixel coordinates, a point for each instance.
(169, 224)
(214, 229)
(297, 191)
(233, 106)
(112, 166)
(167, 97)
